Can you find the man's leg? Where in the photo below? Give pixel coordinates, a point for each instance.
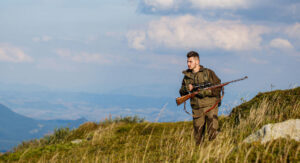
(199, 126)
(212, 123)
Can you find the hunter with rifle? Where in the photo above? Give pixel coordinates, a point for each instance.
(203, 87)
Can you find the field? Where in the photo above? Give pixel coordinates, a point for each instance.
(131, 139)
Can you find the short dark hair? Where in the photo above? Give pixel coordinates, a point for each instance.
(192, 54)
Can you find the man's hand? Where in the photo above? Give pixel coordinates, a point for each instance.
(191, 87)
(202, 93)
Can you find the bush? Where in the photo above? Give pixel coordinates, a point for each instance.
(126, 119)
(59, 136)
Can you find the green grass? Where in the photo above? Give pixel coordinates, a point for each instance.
(285, 101)
(130, 139)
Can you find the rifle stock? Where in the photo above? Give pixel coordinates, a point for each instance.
(182, 99)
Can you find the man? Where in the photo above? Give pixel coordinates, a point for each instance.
(196, 74)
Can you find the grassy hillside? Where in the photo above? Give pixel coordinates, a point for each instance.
(132, 140)
(283, 101)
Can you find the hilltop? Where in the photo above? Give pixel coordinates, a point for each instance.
(133, 140)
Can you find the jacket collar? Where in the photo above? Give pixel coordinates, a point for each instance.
(189, 72)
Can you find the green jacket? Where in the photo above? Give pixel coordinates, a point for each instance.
(204, 98)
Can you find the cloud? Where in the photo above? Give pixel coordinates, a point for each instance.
(85, 39)
(186, 32)
(273, 10)
(144, 60)
(85, 57)
(229, 71)
(9, 53)
(42, 39)
(257, 61)
(136, 39)
(293, 31)
(281, 44)
(53, 64)
(220, 4)
(34, 131)
(165, 61)
(154, 6)
(159, 4)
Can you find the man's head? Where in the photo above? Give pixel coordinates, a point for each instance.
(192, 60)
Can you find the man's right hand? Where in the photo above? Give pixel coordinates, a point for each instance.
(191, 87)
(202, 93)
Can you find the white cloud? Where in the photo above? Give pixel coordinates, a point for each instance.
(293, 31)
(90, 58)
(175, 5)
(220, 4)
(257, 61)
(53, 64)
(281, 44)
(186, 32)
(34, 131)
(9, 53)
(159, 4)
(229, 71)
(273, 10)
(153, 61)
(63, 52)
(136, 39)
(42, 39)
(166, 61)
(84, 57)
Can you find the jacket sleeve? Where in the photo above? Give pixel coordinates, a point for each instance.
(183, 90)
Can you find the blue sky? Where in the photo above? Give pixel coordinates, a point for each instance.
(139, 46)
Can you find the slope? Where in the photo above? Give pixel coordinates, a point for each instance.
(131, 140)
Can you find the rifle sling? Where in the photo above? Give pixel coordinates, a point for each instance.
(211, 108)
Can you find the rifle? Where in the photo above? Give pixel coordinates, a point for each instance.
(184, 98)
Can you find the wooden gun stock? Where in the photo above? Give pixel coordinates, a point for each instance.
(182, 99)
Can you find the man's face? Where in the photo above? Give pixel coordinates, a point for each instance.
(192, 62)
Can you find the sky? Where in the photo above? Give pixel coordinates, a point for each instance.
(139, 47)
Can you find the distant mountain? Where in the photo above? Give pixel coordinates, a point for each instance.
(15, 128)
(96, 107)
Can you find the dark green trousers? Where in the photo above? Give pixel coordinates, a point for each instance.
(207, 122)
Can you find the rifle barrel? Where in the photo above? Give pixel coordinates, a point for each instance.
(226, 83)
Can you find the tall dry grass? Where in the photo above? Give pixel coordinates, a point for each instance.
(171, 142)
